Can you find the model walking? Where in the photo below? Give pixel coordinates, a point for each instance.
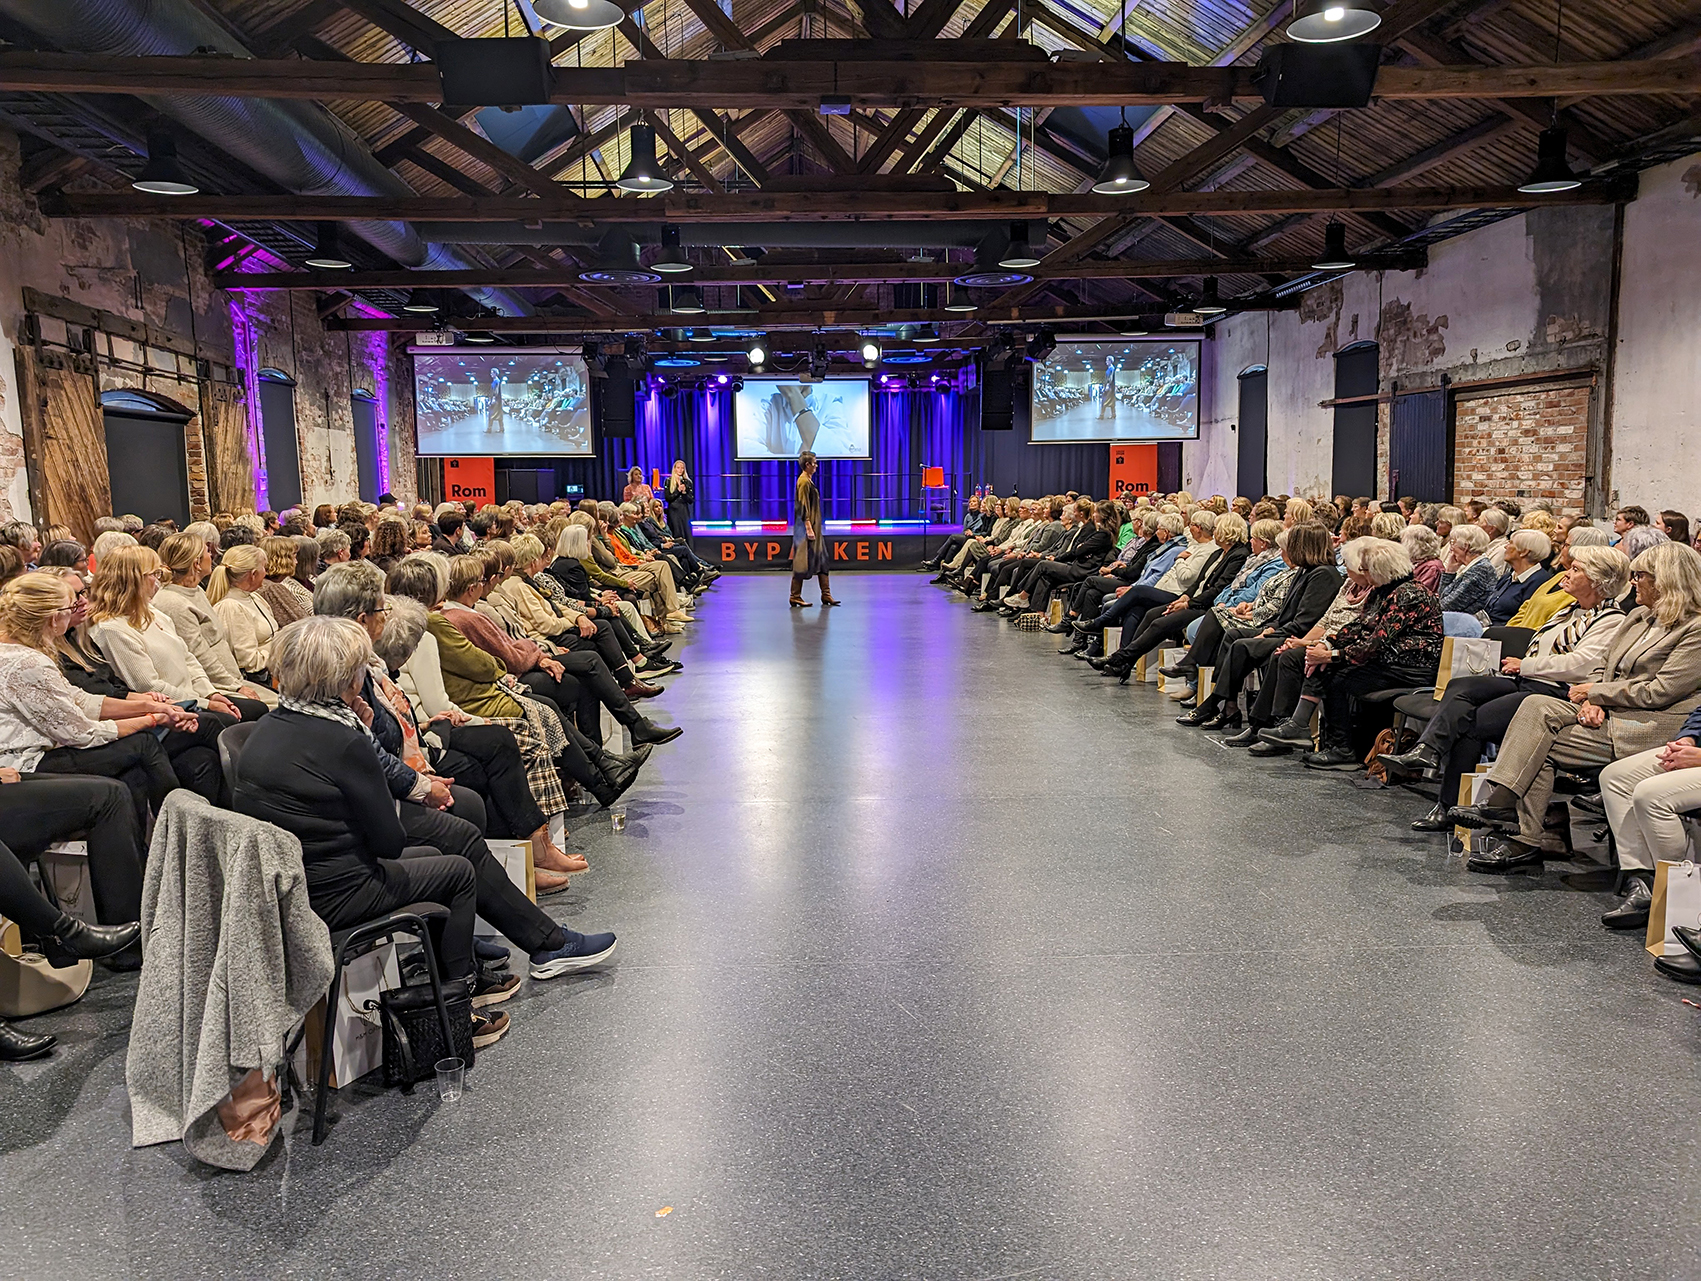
(808, 536)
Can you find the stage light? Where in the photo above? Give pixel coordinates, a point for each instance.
(722, 379)
(759, 350)
(162, 175)
(870, 352)
(1041, 345)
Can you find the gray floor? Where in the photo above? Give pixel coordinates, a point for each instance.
(942, 959)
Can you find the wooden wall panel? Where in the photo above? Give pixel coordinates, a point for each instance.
(224, 428)
(71, 461)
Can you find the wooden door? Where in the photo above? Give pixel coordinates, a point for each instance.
(68, 453)
(230, 469)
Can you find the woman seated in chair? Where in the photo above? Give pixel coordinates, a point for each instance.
(189, 560)
(280, 590)
(248, 620)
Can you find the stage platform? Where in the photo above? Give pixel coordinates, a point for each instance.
(750, 546)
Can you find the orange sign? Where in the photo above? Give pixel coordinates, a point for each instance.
(469, 480)
(1133, 470)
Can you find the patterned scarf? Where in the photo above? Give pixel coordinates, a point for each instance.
(413, 755)
(332, 710)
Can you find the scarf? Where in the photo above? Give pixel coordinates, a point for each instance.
(334, 710)
(413, 755)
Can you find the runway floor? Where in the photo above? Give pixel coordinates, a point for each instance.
(941, 957)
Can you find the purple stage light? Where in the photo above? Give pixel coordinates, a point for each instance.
(722, 379)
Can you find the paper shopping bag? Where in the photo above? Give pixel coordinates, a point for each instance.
(1465, 656)
(1472, 788)
(1205, 682)
(1054, 612)
(1112, 639)
(1677, 901)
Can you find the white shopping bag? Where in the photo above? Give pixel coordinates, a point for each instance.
(359, 1044)
(1169, 658)
(1112, 639)
(1466, 656)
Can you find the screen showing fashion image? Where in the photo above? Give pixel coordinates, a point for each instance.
(518, 401)
(1116, 389)
(778, 418)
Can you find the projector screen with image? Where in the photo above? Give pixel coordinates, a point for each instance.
(517, 401)
(780, 418)
(1092, 389)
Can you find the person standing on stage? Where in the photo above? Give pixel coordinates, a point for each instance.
(679, 494)
(808, 535)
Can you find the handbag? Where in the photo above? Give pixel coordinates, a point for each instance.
(1465, 656)
(413, 1036)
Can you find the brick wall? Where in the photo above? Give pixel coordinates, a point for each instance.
(1528, 443)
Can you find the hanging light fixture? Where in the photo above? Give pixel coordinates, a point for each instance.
(481, 336)
(1327, 21)
(642, 172)
(687, 300)
(1020, 254)
(1210, 302)
(579, 15)
(870, 351)
(957, 298)
(1335, 256)
(162, 175)
(759, 350)
(672, 257)
(1119, 177)
(325, 253)
(1553, 170)
(926, 333)
(420, 303)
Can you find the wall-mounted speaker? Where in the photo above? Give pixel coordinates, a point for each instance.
(506, 71)
(1318, 75)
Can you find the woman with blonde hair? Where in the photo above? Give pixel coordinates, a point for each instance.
(281, 558)
(48, 726)
(248, 620)
(190, 561)
(635, 487)
(680, 495)
(524, 594)
(580, 579)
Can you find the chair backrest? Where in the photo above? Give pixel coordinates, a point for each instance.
(230, 752)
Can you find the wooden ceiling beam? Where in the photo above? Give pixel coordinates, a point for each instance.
(799, 86)
(554, 273)
(813, 206)
(773, 318)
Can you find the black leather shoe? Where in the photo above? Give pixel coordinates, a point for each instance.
(1332, 758)
(1059, 630)
(1683, 967)
(1200, 717)
(1263, 747)
(1590, 805)
(19, 1047)
(1480, 817)
(647, 731)
(1178, 669)
(73, 940)
(1434, 821)
(985, 607)
(1690, 937)
(1419, 760)
(1094, 648)
(1246, 738)
(1632, 913)
(1503, 854)
(1290, 733)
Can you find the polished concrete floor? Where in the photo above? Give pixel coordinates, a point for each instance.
(942, 958)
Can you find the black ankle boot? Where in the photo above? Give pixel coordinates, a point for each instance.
(73, 940)
(17, 1047)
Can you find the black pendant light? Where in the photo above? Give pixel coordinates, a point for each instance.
(672, 257)
(1327, 21)
(420, 302)
(162, 175)
(1334, 256)
(1118, 176)
(957, 298)
(1553, 171)
(642, 172)
(326, 255)
(687, 300)
(1210, 302)
(1020, 255)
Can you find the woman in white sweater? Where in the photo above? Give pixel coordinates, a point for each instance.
(189, 560)
(249, 623)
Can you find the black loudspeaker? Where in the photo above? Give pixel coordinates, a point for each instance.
(508, 71)
(997, 399)
(616, 405)
(1318, 75)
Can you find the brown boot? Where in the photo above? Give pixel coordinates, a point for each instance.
(797, 601)
(827, 591)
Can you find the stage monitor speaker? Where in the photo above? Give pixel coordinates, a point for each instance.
(998, 399)
(505, 71)
(1318, 75)
(616, 405)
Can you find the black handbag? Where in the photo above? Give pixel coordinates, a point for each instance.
(413, 1035)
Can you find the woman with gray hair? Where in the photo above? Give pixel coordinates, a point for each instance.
(1527, 551)
(1393, 643)
(1423, 545)
(1475, 711)
(1468, 576)
(1551, 597)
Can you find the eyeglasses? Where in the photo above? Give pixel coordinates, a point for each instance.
(1641, 576)
(159, 575)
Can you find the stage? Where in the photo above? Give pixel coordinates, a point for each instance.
(752, 545)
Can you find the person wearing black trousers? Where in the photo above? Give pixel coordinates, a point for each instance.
(1072, 563)
(1124, 571)
(973, 524)
(1165, 623)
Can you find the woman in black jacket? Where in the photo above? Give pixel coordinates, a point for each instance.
(1165, 623)
(1078, 561)
(1310, 547)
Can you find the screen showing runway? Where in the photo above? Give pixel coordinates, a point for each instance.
(1116, 389)
(778, 418)
(519, 401)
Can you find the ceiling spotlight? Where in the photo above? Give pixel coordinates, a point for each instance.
(1210, 303)
(687, 300)
(642, 172)
(579, 15)
(1119, 177)
(162, 175)
(1335, 256)
(957, 298)
(759, 350)
(818, 362)
(870, 351)
(325, 252)
(1553, 170)
(671, 258)
(1327, 21)
(420, 303)
(1020, 254)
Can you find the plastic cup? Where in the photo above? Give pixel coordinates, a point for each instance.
(617, 817)
(451, 1077)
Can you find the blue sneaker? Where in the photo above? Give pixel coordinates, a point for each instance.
(488, 950)
(579, 952)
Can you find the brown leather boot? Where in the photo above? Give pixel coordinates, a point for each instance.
(797, 601)
(827, 591)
